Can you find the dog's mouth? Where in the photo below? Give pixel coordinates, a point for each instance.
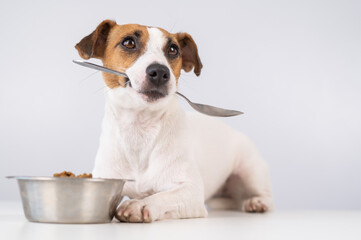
(150, 95)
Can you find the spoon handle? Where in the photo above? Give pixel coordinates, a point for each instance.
(100, 68)
(202, 108)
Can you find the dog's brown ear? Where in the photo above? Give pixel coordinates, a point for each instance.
(94, 44)
(189, 50)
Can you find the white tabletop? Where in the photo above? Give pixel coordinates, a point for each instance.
(219, 225)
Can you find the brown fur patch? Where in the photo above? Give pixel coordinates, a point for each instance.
(104, 43)
(94, 44)
(190, 57)
(116, 57)
(175, 63)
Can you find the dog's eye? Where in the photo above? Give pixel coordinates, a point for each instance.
(173, 50)
(129, 43)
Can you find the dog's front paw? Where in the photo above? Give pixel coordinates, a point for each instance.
(134, 211)
(257, 205)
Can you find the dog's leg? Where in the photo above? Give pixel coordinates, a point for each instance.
(183, 202)
(249, 185)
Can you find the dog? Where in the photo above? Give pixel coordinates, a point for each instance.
(180, 161)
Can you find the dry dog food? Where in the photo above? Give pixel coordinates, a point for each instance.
(70, 174)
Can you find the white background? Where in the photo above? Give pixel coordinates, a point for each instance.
(293, 67)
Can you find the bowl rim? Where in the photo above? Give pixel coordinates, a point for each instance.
(46, 178)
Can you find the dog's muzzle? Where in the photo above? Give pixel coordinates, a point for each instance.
(157, 76)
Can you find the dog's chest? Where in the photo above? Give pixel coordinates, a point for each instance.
(130, 141)
(137, 142)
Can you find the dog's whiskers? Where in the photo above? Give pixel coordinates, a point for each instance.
(87, 77)
(98, 90)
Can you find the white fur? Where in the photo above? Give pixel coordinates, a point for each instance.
(178, 160)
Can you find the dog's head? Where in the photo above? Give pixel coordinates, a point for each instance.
(151, 57)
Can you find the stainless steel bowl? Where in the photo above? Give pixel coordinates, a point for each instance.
(70, 200)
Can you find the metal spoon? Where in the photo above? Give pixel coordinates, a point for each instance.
(202, 108)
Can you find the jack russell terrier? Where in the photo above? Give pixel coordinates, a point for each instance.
(179, 160)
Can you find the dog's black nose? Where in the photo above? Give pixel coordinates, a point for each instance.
(157, 74)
